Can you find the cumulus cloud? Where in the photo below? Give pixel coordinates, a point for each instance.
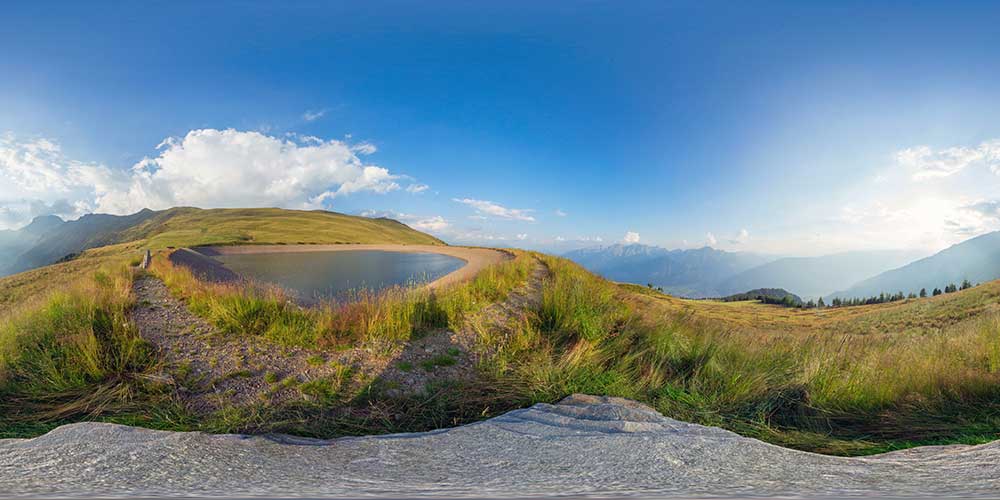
(36, 178)
(560, 213)
(206, 168)
(489, 208)
(988, 209)
(928, 163)
(742, 237)
(429, 223)
(931, 222)
(417, 188)
(710, 239)
(631, 237)
(434, 224)
(311, 116)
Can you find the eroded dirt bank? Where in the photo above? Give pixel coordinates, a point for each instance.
(583, 446)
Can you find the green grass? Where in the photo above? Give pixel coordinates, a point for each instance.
(186, 227)
(836, 393)
(77, 356)
(438, 361)
(851, 381)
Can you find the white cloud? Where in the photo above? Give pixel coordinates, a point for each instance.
(477, 236)
(930, 222)
(434, 224)
(741, 238)
(560, 213)
(206, 168)
(429, 223)
(522, 236)
(560, 239)
(311, 116)
(364, 148)
(484, 207)
(230, 168)
(417, 188)
(710, 239)
(36, 178)
(631, 237)
(988, 209)
(927, 163)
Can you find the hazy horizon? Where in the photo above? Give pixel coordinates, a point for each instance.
(781, 129)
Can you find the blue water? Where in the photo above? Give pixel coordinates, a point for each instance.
(314, 276)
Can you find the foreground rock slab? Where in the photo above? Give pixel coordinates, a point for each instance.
(583, 446)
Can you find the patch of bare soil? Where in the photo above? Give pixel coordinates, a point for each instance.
(210, 370)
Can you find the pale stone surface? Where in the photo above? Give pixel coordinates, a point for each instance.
(582, 446)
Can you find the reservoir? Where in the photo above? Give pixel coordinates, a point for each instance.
(314, 276)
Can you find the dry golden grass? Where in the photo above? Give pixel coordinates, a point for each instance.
(908, 316)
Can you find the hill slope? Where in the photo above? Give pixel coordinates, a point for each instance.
(812, 277)
(14, 243)
(690, 273)
(45, 242)
(763, 294)
(977, 260)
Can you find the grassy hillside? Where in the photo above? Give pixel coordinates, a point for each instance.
(911, 316)
(185, 227)
(976, 260)
(847, 381)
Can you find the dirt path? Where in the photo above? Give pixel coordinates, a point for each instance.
(211, 371)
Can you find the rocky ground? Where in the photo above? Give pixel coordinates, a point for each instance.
(583, 446)
(210, 370)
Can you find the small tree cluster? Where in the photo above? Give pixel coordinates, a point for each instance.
(884, 297)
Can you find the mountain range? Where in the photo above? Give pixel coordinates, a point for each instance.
(813, 277)
(708, 272)
(976, 260)
(696, 273)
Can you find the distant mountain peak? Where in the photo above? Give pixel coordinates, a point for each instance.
(42, 224)
(976, 259)
(683, 272)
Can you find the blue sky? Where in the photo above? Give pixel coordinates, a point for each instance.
(777, 127)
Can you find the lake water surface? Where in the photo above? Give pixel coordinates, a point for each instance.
(317, 275)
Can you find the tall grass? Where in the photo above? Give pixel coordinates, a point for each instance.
(76, 355)
(844, 394)
(380, 320)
